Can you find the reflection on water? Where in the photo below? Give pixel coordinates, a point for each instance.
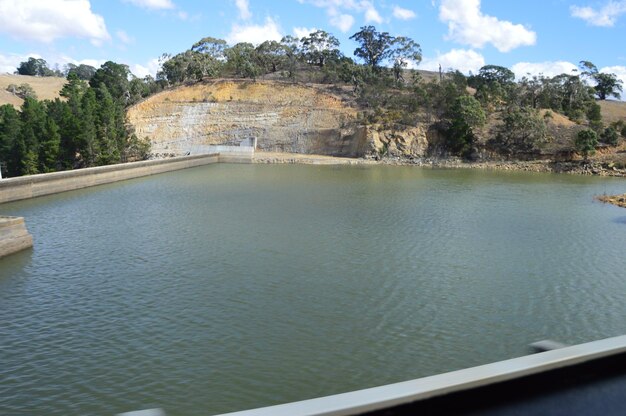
(227, 287)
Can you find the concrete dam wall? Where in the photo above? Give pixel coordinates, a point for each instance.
(24, 187)
(282, 117)
(14, 236)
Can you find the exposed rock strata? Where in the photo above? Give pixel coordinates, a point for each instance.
(283, 117)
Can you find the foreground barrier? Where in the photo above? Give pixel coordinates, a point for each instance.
(24, 187)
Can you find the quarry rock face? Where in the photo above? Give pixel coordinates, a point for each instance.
(282, 117)
(408, 142)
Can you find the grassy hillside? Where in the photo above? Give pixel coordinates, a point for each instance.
(46, 88)
(613, 111)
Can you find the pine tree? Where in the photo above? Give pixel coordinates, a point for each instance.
(49, 147)
(33, 128)
(10, 126)
(106, 127)
(87, 139)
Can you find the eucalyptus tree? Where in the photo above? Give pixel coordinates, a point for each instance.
(606, 84)
(375, 46)
(272, 55)
(242, 60)
(292, 47)
(319, 47)
(403, 51)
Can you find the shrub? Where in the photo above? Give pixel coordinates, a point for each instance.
(610, 136)
(586, 142)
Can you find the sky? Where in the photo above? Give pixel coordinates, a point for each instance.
(530, 37)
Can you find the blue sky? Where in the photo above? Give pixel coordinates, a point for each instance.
(532, 36)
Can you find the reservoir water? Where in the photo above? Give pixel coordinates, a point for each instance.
(228, 287)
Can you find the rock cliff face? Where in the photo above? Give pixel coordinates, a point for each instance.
(283, 117)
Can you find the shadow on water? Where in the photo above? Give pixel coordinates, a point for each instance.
(11, 264)
(620, 220)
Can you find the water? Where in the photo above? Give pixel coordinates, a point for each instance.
(228, 287)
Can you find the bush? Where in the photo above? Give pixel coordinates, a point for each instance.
(465, 116)
(586, 142)
(522, 131)
(610, 136)
(23, 91)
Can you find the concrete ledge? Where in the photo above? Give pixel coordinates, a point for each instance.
(24, 187)
(14, 236)
(383, 397)
(236, 157)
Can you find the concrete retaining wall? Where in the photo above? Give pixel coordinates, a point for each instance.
(13, 235)
(24, 187)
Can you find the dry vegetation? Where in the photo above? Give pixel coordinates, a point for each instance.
(613, 111)
(46, 88)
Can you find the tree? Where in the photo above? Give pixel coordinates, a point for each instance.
(594, 115)
(374, 47)
(466, 116)
(35, 67)
(610, 136)
(115, 77)
(22, 90)
(439, 97)
(522, 130)
(292, 53)
(49, 147)
(69, 129)
(109, 138)
(10, 126)
(243, 60)
(26, 147)
(271, 55)
(88, 139)
(188, 65)
(320, 47)
(566, 94)
(490, 74)
(494, 84)
(607, 85)
(586, 142)
(82, 71)
(213, 47)
(403, 51)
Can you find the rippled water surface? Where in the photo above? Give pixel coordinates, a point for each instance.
(228, 287)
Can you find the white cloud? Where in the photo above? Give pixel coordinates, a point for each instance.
(468, 25)
(343, 22)
(372, 15)
(45, 21)
(153, 4)
(340, 11)
(548, 69)
(301, 32)
(124, 37)
(403, 14)
(150, 68)
(606, 16)
(254, 34)
(457, 59)
(244, 9)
